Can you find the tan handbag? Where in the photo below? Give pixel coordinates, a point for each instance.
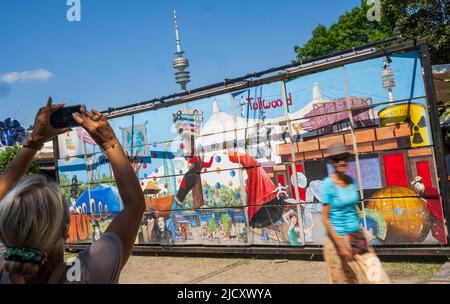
(368, 269)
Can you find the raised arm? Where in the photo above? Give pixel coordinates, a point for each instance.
(42, 132)
(208, 164)
(126, 223)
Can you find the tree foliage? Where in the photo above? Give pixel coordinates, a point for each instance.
(8, 155)
(427, 19)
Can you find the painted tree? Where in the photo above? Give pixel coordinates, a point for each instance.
(226, 222)
(212, 224)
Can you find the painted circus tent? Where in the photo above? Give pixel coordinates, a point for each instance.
(244, 166)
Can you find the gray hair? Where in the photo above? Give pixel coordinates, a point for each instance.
(33, 214)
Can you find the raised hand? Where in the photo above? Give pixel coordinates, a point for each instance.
(96, 124)
(42, 130)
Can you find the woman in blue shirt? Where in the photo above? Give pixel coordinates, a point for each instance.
(340, 217)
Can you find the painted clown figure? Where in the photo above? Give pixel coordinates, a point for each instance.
(196, 164)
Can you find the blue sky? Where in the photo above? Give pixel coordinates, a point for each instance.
(121, 51)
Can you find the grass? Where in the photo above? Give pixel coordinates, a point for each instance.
(70, 255)
(420, 267)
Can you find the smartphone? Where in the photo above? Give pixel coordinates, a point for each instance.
(63, 118)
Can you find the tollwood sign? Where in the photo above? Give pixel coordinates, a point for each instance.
(242, 164)
(259, 103)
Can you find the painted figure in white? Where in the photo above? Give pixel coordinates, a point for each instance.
(73, 208)
(243, 103)
(280, 190)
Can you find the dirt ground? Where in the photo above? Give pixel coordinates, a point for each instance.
(193, 270)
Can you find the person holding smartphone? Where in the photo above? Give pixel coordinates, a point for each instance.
(35, 218)
(348, 257)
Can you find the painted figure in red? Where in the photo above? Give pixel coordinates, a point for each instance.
(196, 164)
(431, 196)
(260, 192)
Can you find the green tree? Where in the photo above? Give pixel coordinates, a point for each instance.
(411, 18)
(212, 224)
(226, 222)
(8, 155)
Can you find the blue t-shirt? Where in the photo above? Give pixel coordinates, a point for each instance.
(343, 214)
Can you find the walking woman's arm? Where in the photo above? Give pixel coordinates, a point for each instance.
(340, 245)
(126, 223)
(42, 132)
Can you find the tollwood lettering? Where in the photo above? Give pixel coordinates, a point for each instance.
(260, 103)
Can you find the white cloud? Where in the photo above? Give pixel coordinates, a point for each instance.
(36, 75)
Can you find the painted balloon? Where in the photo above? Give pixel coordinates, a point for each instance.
(237, 195)
(156, 170)
(232, 173)
(301, 180)
(218, 185)
(262, 151)
(218, 158)
(218, 170)
(144, 165)
(230, 183)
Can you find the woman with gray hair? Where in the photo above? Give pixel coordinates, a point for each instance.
(34, 217)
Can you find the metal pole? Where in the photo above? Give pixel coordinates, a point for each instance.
(132, 136)
(287, 117)
(436, 132)
(355, 150)
(88, 170)
(241, 176)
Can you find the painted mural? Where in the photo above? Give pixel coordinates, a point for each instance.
(246, 167)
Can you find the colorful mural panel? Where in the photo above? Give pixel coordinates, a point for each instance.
(286, 230)
(246, 167)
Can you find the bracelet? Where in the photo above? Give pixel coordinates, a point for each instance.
(31, 144)
(110, 144)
